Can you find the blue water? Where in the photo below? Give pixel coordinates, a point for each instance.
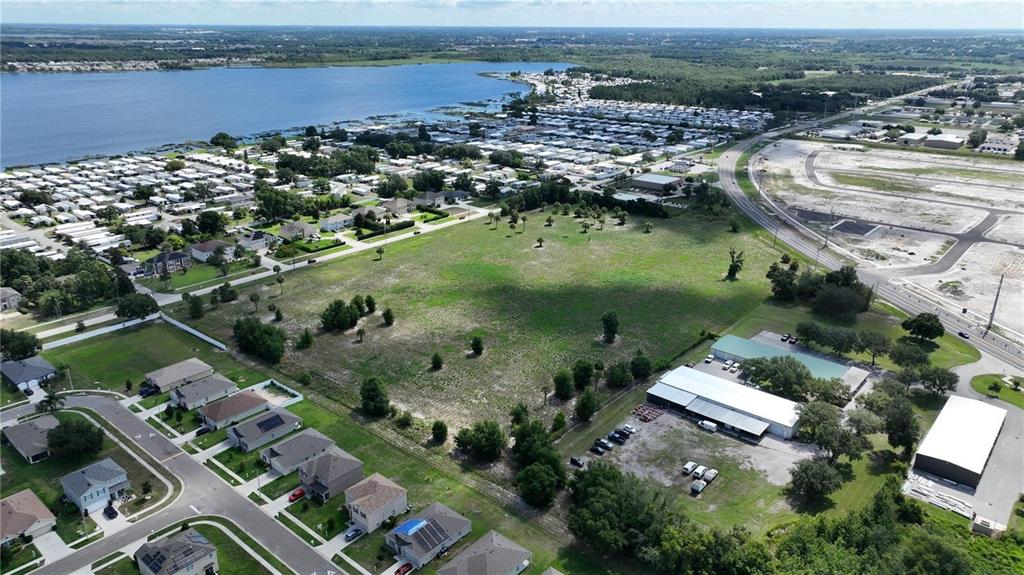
(55, 117)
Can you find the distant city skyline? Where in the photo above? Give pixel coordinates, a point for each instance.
(784, 14)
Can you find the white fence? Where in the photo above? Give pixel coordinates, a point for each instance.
(99, 331)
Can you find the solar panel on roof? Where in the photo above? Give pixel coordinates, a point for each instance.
(270, 423)
(430, 535)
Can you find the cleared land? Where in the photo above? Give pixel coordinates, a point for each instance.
(537, 309)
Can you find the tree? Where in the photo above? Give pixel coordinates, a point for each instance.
(223, 140)
(483, 442)
(371, 304)
(875, 343)
(477, 346)
(977, 138)
(924, 326)
(359, 304)
(18, 345)
(436, 362)
(640, 366)
(147, 487)
(380, 253)
(305, 339)
(339, 316)
(582, 373)
(1018, 152)
(537, 484)
(254, 297)
(263, 341)
(610, 323)
(901, 425)
(211, 223)
(136, 306)
(128, 386)
(280, 284)
(736, 260)
(75, 439)
(540, 242)
(389, 317)
(558, 423)
(937, 380)
(360, 334)
(812, 480)
(519, 414)
(586, 406)
(928, 554)
(50, 403)
(374, 398)
(195, 307)
(439, 432)
(815, 417)
(563, 385)
(174, 165)
(619, 375)
(908, 355)
(783, 375)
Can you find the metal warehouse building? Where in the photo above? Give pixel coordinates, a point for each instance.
(734, 406)
(960, 441)
(741, 349)
(654, 182)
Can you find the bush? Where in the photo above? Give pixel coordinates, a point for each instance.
(264, 341)
(586, 406)
(620, 375)
(404, 421)
(477, 345)
(484, 441)
(439, 431)
(374, 398)
(563, 385)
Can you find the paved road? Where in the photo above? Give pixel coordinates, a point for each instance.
(201, 489)
(811, 245)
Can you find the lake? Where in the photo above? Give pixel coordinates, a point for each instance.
(56, 117)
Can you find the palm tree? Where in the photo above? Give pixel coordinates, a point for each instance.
(280, 284)
(736, 260)
(493, 218)
(360, 333)
(165, 276)
(254, 297)
(647, 227)
(512, 226)
(550, 221)
(586, 227)
(277, 268)
(523, 217)
(50, 403)
(380, 253)
(545, 389)
(600, 222)
(540, 242)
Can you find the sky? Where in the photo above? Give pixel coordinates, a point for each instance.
(864, 14)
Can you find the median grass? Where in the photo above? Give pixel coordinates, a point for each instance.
(1006, 391)
(199, 274)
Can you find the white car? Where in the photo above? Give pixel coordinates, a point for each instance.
(697, 487)
(710, 475)
(727, 364)
(699, 472)
(629, 428)
(735, 367)
(709, 359)
(689, 467)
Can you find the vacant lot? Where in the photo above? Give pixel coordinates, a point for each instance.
(537, 309)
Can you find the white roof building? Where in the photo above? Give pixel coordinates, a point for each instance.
(960, 441)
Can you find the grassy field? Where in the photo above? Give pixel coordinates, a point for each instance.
(200, 273)
(990, 556)
(1006, 393)
(537, 309)
(878, 183)
(317, 516)
(107, 361)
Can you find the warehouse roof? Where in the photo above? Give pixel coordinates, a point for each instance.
(964, 432)
(749, 349)
(656, 179)
(732, 395)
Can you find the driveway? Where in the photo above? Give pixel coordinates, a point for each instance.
(52, 547)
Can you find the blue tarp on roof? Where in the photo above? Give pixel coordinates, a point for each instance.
(410, 527)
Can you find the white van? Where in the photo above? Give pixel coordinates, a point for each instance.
(708, 425)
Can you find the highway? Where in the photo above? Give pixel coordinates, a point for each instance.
(810, 244)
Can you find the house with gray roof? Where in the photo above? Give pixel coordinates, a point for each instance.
(296, 231)
(30, 438)
(199, 393)
(337, 222)
(24, 514)
(421, 538)
(232, 409)
(95, 485)
(492, 554)
(178, 374)
(330, 474)
(28, 373)
(288, 455)
(183, 553)
(263, 429)
(10, 298)
(374, 500)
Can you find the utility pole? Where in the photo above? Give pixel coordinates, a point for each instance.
(831, 219)
(995, 303)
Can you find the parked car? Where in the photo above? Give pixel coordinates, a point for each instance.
(710, 475)
(607, 445)
(708, 425)
(727, 364)
(615, 437)
(148, 391)
(963, 334)
(709, 358)
(699, 472)
(697, 487)
(403, 569)
(735, 367)
(353, 534)
(202, 431)
(296, 495)
(597, 449)
(629, 429)
(28, 391)
(311, 261)
(689, 467)
(110, 512)
(576, 462)
(794, 340)
(688, 364)
(785, 337)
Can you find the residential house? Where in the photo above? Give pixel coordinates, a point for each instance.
(199, 393)
(30, 438)
(22, 514)
(421, 538)
(205, 250)
(288, 455)
(492, 554)
(183, 553)
(28, 373)
(255, 241)
(94, 486)
(178, 374)
(232, 409)
(373, 213)
(169, 262)
(261, 430)
(330, 474)
(397, 206)
(430, 199)
(10, 298)
(337, 222)
(373, 501)
(297, 231)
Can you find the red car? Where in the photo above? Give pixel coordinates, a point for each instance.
(296, 495)
(403, 569)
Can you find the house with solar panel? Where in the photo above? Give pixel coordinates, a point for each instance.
(261, 430)
(184, 553)
(426, 535)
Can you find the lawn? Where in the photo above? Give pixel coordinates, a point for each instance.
(297, 530)
(1006, 392)
(107, 361)
(188, 420)
(43, 479)
(281, 485)
(318, 516)
(245, 465)
(198, 273)
(537, 309)
(123, 566)
(21, 555)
